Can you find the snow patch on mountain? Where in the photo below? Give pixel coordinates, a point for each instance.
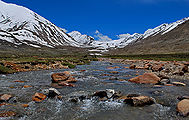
(164, 28)
(83, 40)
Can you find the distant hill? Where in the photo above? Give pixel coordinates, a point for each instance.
(174, 41)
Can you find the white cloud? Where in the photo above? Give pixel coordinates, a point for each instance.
(100, 37)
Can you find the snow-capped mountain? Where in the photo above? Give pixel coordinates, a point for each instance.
(20, 25)
(84, 40)
(126, 39)
(167, 38)
(164, 28)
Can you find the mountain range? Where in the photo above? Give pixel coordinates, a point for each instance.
(20, 27)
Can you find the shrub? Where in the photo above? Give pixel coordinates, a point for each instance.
(5, 70)
(69, 65)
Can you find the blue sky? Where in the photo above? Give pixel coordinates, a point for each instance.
(110, 17)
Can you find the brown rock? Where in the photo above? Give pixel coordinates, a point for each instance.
(146, 78)
(38, 97)
(27, 86)
(137, 67)
(157, 86)
(59, 97)
(19, 81)
(114, 72)
(25, 105)
(116, 67)
(5, 97)
(110, 68)
(113, 67)
(132, 67)
(121, 80)
(139, 101)
(147, 66)
(2, 104)
(67, 73)
(57, 77)
(183, 107)
(126, 67)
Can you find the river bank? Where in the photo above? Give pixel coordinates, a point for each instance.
(170, 69)
(24, 64)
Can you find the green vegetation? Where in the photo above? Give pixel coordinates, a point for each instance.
(5, 70)
(22, 62)
(69, 65)
(161, 57)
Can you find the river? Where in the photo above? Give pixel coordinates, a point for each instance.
(94, 77)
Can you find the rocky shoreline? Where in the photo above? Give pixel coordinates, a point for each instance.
(170, 69)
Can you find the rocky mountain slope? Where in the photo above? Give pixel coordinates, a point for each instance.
(163, 40)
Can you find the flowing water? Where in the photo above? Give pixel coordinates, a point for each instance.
(95, 77)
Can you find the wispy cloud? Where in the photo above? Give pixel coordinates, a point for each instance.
(100, 37)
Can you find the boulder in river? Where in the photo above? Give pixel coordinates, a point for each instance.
(63, 79)
(132, 67)
(57, 77)
(100, 94)
(25, 105)
(5, 97)
(139, 100)
(107, 94)
(146, 78)
(38, 97)
(51, 92)
(183, 107)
